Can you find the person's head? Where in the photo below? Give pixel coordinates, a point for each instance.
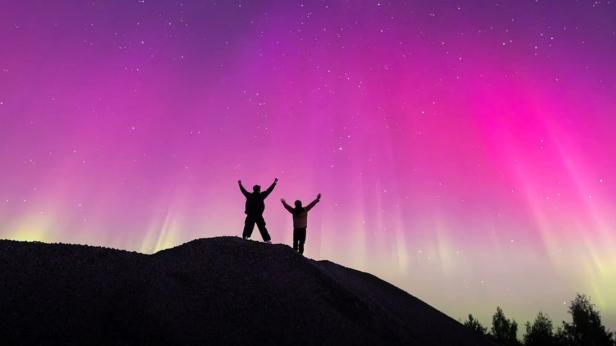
(298, 204)
(256, 188)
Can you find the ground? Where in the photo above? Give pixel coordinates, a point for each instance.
(209, 291)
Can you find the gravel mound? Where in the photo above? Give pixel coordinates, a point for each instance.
(217, 291)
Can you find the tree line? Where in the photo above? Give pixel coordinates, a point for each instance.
(585, 328)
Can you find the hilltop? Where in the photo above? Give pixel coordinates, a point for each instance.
(209, 291)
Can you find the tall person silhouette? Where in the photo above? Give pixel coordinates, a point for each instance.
(255, 205)
(300, 222)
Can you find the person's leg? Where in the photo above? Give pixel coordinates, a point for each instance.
(261, 225)
(249, 225)
(295, 240)
(301, 240)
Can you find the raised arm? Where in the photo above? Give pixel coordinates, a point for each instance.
(313, 203)
(244, 192)
(270, 189)
(286, 206)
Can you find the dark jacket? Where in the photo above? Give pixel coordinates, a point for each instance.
(255, 202)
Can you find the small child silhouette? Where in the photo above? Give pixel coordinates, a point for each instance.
(300, 222)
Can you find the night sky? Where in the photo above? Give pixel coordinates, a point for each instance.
(464, 149)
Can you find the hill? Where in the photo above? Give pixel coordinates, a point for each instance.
(217, 291)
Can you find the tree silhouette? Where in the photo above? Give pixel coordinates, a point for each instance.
(586, 328)
(504, 331)
(474, 325)
(540, 332)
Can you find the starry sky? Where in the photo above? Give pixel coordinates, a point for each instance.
(464, 149)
